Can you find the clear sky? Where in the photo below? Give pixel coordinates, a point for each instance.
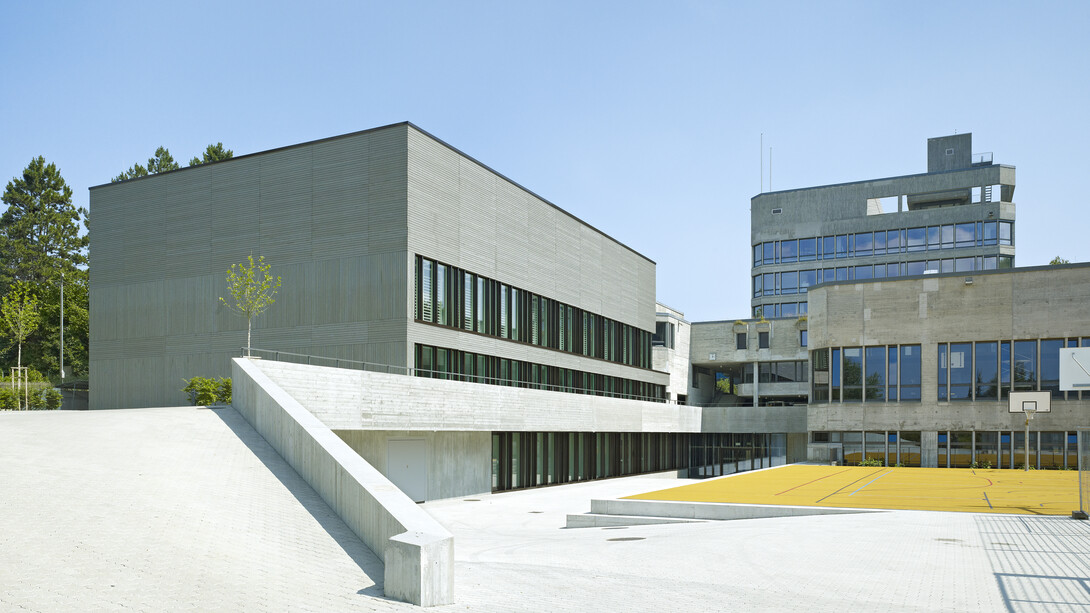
(643, 119)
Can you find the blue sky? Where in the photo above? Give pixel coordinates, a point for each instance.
(643, 119)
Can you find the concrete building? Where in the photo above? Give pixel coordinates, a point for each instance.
(670, 351)
(956, 217)
(918, 371)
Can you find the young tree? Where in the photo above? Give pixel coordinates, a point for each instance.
(1056, 261)
(212, 153)
(19, 312)
(162, 161)
(253, 290)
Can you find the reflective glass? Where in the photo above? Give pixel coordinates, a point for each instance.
(991, 233)
(864, 242)
(963, 265)
(807, 249)
(842, 246)
(947, 237)
(891, 393)
(853, 374)
(893, 241)
(789, 309)
(879, 243)
(806, 279)
(828, 247)
(1050, 366)
(965, 235)
(961, 371)
(917, 239)
(789, 283)
(757, 255)
(875, 381)
(1024, 365)
(863, 272)
(910, 372)
(915, 268)
(842, 274)
(987, 370)
(789, 251)
(770, 252)
(770, 284)
(1006, 233)
(934, 235)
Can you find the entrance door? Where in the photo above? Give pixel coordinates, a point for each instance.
(407, 466)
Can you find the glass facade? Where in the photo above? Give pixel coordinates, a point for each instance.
(444, 363)
(881, 373)
(990, 370)
(957, 449)
(713, 455)
(455, 298)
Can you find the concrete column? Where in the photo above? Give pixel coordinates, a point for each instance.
(756, 383)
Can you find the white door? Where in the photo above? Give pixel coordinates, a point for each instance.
(407, 466)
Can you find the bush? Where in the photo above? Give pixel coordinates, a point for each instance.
(52, 398)
(8, 400)
(208, 391)
(872, 462)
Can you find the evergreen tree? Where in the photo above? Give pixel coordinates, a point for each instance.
(212, 153)
(162, 161)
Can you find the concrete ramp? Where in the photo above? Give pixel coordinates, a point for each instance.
(417, 551)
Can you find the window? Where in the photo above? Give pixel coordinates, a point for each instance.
(987, 370)
(1024, 366)
(819, 364)
(961, 379)
(802, 338)
(789, 251)
(917, 239)
(1050, 366)
(1006, 233)
(807, 249)
(770, 252)
(910, 372)
(864, 243)
(853, 374)
(806, 279)
(965, 235)
(789, 283)
(740, 341)
(762, 340)
(893, 241)
(891, 390)
(875, 380)
(757, 255)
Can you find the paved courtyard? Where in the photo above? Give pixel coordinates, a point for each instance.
(183, 508)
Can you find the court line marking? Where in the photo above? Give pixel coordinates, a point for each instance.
(871, 481)
(809, 482)
(988, 501)
(849, 484)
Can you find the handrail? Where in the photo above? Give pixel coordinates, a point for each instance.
(397, 369)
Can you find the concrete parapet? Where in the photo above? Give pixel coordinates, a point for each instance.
(707, 510)
(418, 552)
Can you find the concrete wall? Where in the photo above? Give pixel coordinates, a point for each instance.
(754, 419)
(418, 553)
(329, 216)
(458, 463)
(1026, 303)
(674, 360)
(346, 399)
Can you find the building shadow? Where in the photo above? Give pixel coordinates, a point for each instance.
(361, 555)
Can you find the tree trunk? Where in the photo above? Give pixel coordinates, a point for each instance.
(248, 324)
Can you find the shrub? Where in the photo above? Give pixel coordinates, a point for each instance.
(208, 391)
(52, 398)
(8, 400)
(872, 462)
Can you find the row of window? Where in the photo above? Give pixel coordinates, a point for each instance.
(453, 297)
(716, 454)
(794, 371)
(881, 242)
(780, 309)
(442, 363)
(531, 459)
(877, 374)
(798, 281)
(990, 370)
(997, 449)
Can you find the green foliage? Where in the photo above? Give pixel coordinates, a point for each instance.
(162, 161)
(224, 391)
(982, 464)
(872, 462)
(723, 385)
(253, 290)
(1058, 260)
(212, 153)
(9, 401)
(19, 314)
(39, 230)
(1022, 466)
(208, 391)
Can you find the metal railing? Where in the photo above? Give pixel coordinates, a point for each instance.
(980, 159)
(395, 369)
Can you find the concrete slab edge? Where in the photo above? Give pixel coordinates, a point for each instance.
(710, 510)
(591, 520)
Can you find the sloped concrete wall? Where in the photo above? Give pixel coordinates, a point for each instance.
(347, 399)
(417, 551)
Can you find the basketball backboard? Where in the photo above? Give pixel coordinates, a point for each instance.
(1030, 402)
(1075, 369)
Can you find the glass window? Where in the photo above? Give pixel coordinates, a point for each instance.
(426, 290)
(961, 371)
(864, 243)
(934, 237)
(879, 243)
(891, 390)
(819, 364)
(963, 265)
(917, 239)
(842, 274)
(740, 341)
(842, 246)
(910, 372)
(965, 235)
(853, 374)
(770, 284)
(1024, 365)
(863, 272)
(943, 372)
(806, 279)
(893, 241)
(989, 262)
(1006, 233)
(789, 251)
(789, 309)
(915, 268)
(789, 283)
(757, 255)
(987, 370)
(834, 375)
(807, 249)
(879, 271)
(1006, 261)
(802, 338)
(893, 270)
(828, 247)
(758, 285)
(991, 233)
(441, 294)
(875, 382)
(762, 340)
(1050, 366)
(828, 274)
(770, 252)
(948, 237)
